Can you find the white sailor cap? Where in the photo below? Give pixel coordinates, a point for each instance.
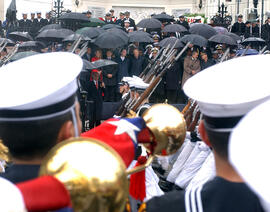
(249, 151)
(232, 88)
(24, 13)
(46, 87)
(131, 28)
(139, 84)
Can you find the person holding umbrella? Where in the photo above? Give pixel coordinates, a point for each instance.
(98, 56)
(205, 61)
(123, 65)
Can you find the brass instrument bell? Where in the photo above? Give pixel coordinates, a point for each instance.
(168, 125)
(93, 173)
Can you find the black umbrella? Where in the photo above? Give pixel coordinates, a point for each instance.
(174, 28)
(50, 26)
(223, 39)
(254, 41)
(74, 17)
(171, 41)
(204, 30)
(21, 55)
(32, 44)
(91, 32)
(9, 42)
(110, 40)
(20, 36)
(74, 37)
(196, 40)
(149, 23)
(119, 32)
(101, 63)
(234, 36)
(140, 36)
(110, 26)
(87, 65)
(54, 35)
(163, 17)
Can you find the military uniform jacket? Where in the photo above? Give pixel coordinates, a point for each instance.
(218, 195)
(24, 25)
(239, 28)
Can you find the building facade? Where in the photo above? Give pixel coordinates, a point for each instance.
(139, 8)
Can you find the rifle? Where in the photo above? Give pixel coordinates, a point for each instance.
(225, 55)
(263, 49)
(75, 44)
(151, 63)
(190, 109)
(155, 82)
(3, 44)
(122, 106)
(186, 107)
(84, 49)
(6, 59)
(194, 123)
(245, 51)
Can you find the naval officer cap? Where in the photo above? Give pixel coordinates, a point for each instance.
(231, 89)
(46, 87)
(252, 164)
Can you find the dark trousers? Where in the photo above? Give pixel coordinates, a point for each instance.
(171, 95)
(110, 93)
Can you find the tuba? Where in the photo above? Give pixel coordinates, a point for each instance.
(96, 176)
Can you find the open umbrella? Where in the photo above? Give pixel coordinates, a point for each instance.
(21, 55)
(20, 36)
(140, 36)
(32, 44)
(94, 22)
(110, 26)
(73, 16)
(90, 32)
(109, 40)
(87, 65)
(9, 42)
(223, 39)
(220, 30)
(119, 32)
(254, 41)
(50, 26)
(54, 35)
(247, 52)
(196, 40)
(234, 36)
(204, 30)
(74, 37)
(101, 63)
(163, 17)
(171, 41)
(149, 23)
(174, 28)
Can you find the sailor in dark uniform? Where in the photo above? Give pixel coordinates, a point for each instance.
(239, 27)
(37, 119)
(222, 109)
(24, 24)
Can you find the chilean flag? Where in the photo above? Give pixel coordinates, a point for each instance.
(120, 134)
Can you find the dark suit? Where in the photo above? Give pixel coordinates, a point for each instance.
(40, 23)
(119, 22)
(123, 67)
(266, 34)
(239, 28)
(184, 24)
(136, 66)
(95, 107)
(20, 173)
(24, 25)
(48, 21)
(33, 28)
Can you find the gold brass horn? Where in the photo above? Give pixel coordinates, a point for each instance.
(169, 129)
(93, 173)
(168, 126)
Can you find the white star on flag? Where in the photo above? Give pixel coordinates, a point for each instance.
(124, 126)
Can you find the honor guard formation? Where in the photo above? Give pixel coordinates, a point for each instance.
(108, 115)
